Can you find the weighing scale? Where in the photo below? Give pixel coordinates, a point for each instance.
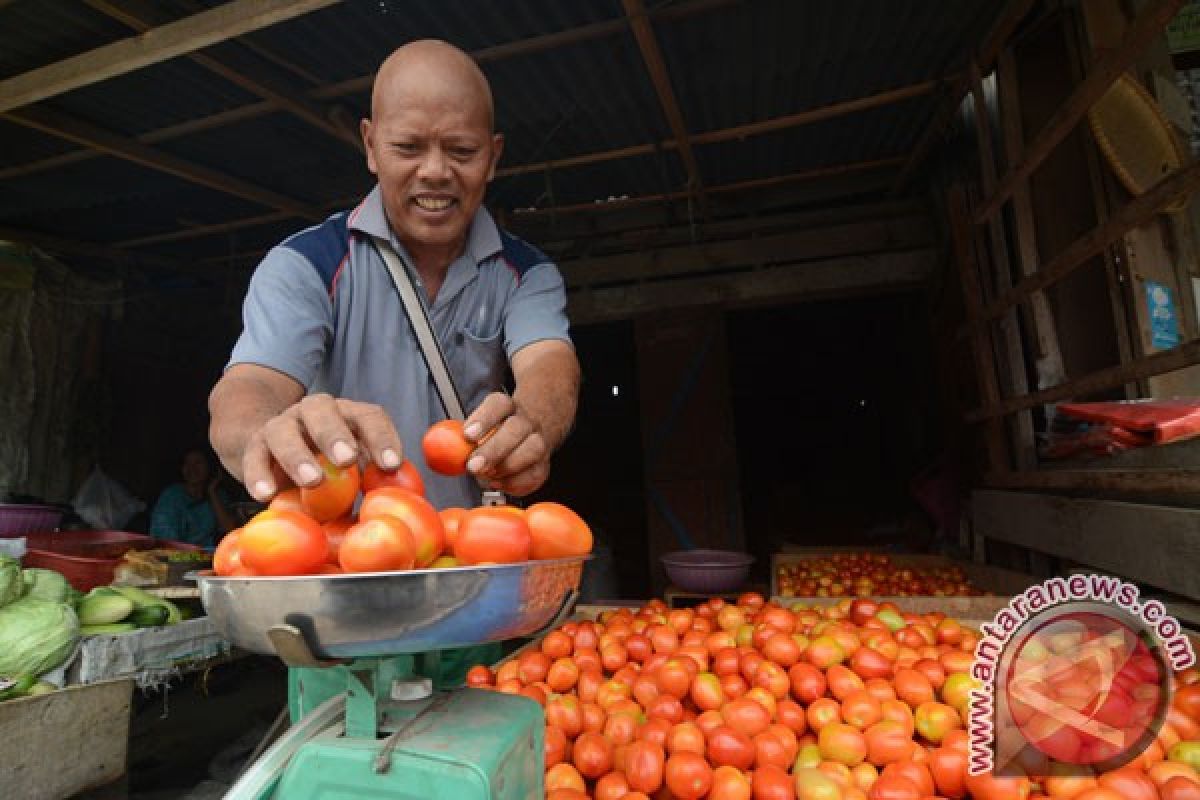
(367, 719)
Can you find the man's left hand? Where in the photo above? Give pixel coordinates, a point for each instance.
(514, 458)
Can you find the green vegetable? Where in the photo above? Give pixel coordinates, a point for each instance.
(102, 606)
(41, 687)
(36, 635)
(143, 599)
(148, 616)
(22, 684)
(46, 584)
(111, 627)
(187, 557)
(11, 584)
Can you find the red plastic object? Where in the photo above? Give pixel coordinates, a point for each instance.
(89, 558)
(1161, 420)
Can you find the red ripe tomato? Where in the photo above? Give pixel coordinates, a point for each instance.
(592, 755)
(335, 532)
(1130, 783)
(893, 787)
(990, 787)
(612, 786)
(492, 535)
(732, 784)
(563, 776)
(451, 518)
(446, 448)
(728, 747)
(948, 766)
(383, 544)
(405, 476)
(557, 747)
(688, 776)
(771, 783)
(644, 766)
(334, 496)
(227, 559)
(288, 500)
(480, 675)
(557, 531)
(283, 543)
(1179, 788)
(414, 511)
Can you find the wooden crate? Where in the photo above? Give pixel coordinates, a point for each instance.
(58, 744)
(995, 580)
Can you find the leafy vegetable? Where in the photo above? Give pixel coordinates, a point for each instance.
(11, 584)
(35, 635)
(46, 584)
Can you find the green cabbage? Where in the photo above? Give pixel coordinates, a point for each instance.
(11, 586)
(46, 584)
(36, 636)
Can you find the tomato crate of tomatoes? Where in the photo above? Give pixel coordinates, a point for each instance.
(874, 574)
(857, 700)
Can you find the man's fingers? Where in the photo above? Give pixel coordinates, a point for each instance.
(530, 452)
(286, 441)
(525, 482)
(261, 474)
(494, 410)
(322, 421)
(511, 433)
(375, 430)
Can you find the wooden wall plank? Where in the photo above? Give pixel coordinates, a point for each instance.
(1158, 545)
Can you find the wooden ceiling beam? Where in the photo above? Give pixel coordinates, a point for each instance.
(989, 50)
(656, 65)
(84, 133)
(137, 14)
(184, 36)
(73, 247)
(362, 83)
(835, 277)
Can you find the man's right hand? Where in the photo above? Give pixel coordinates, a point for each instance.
(269, 436)
(339, 428)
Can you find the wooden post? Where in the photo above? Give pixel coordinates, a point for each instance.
(1043, 333)
(985, 364)
(1013, 374)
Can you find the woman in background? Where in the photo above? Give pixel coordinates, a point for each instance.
(195, 511)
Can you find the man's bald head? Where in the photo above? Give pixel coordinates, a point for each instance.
(431, 66)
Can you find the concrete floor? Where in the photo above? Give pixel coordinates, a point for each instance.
(190, 742)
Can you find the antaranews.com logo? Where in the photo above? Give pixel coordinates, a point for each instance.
(1074, 675)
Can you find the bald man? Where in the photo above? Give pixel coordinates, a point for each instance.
(327, 361)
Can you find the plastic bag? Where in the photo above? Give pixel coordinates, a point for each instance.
(105, 504)
(1159, 421)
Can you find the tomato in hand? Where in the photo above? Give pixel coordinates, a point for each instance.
(334, 496)
(492, 535)
(283, 543)
(405, 476)
(383, 544)
(558, 532)
(447, 448)
(414, 511)
(288, 500)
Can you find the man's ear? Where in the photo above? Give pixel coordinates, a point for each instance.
(497, 149)
(365, 130)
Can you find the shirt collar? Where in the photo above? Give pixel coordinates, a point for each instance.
(483, 238)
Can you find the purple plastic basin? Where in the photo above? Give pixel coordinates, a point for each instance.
(707, 571)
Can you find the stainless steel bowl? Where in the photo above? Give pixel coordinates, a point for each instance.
(388, 613)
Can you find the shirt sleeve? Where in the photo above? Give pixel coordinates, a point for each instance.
(287, 317)
(537, 309)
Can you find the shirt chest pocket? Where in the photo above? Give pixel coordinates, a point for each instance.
(479, 365)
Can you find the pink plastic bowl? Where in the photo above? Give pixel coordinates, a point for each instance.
(707, 571)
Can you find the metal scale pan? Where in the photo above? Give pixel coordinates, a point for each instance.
(390, 613)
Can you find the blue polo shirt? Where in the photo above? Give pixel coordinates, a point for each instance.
(322, 309)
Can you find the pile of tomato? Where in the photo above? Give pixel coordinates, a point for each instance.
(856, 701)
(866, 575)
(310, 531)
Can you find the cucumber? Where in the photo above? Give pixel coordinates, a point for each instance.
(103, 607)
(143, 599)
(148, 616)
(112, 627)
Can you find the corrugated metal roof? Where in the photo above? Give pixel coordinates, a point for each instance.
(731, 63)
